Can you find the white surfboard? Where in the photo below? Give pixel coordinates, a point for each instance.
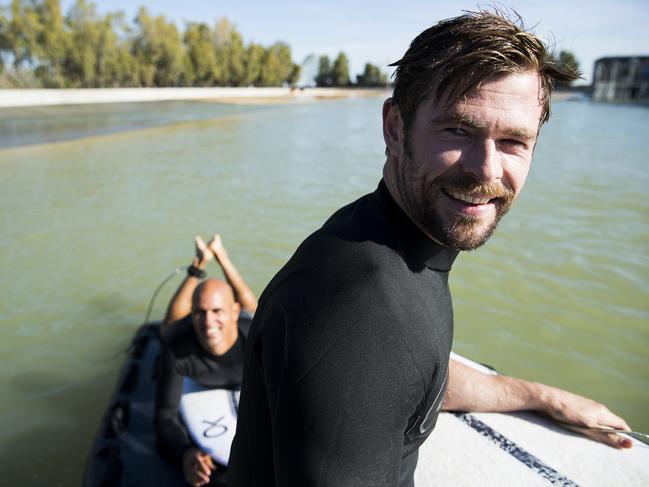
(210, 416)
(493, 449)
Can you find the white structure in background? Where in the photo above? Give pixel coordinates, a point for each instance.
(622, 79)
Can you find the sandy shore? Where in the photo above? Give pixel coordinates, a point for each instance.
(24, 98)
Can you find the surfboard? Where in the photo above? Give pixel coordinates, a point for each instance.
(494, 449)
(210, 416)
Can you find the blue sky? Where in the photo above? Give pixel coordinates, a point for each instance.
(379, 31)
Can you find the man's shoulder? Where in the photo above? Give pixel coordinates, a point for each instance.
(366, 219)
(326, 265)
(178, 330)
(357, 235)
(356, 243)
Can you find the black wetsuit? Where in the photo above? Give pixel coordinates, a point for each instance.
(347, 357)
(183, 356)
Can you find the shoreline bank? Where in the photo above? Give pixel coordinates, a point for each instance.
(10, 98)
(49, 97)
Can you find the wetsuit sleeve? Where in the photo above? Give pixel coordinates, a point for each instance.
(171, 433)
(330, 380)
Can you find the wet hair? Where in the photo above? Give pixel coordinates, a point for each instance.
(449, 61)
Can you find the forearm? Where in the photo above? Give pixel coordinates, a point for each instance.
(180, 305)
(170, 432)
(472, 390)
(172, 435)
(242, 293)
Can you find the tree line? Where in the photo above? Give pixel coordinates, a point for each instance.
(42, 47)
(337, 73)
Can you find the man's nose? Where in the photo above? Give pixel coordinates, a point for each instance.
(484, 162)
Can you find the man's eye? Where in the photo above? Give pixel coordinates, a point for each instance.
(514, 143)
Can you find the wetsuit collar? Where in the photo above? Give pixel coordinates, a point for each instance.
(430, 253)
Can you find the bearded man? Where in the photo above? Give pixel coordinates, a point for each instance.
(347, 361)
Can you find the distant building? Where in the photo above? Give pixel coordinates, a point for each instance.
(622, 79)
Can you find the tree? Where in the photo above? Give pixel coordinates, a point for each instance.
(325, 73)
(4, 41)
(277, 67)
(230, 53)
(237, 62)
(81, 57)
(220, 43)
(568, 60)
(52, 41)
(116, 32)
(200, 56)
(253, 64)
(340, 71)
(115, 64)
(126, 66)
(371, 77)
(159, 50)
(22, 32)
(294, 75)
(96, 53)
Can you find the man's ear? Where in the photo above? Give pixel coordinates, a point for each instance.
(393, 129)
(236, 309)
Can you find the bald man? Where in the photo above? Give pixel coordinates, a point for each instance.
(204, 332)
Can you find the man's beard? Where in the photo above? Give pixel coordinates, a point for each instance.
(459, 232)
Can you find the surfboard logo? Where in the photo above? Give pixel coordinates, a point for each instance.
(215, 428)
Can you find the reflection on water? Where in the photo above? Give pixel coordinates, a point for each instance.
(38, 125)
(91, 226)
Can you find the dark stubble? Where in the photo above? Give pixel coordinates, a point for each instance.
(459, 232)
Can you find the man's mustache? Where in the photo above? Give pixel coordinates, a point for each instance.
(457, 184)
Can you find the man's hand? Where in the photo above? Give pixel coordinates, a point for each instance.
(579, 413)
(217, 248)
(203, 253)
(197, 467)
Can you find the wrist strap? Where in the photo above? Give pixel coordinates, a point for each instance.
(194, 271)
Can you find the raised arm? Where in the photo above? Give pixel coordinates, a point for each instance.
(180, 305)
(242, 293)
(472, 390)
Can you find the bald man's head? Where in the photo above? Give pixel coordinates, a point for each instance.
(214, 316)
(210, 286)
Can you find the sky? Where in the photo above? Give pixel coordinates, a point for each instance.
(379, 31)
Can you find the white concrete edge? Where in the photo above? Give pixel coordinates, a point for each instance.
(472, 364)
(25, 98)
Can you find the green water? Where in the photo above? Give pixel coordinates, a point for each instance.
(90, 226)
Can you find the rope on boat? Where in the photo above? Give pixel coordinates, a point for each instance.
(176, 271)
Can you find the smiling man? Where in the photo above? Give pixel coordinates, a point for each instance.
(204, 332)
(460, 166)
(347, 361)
